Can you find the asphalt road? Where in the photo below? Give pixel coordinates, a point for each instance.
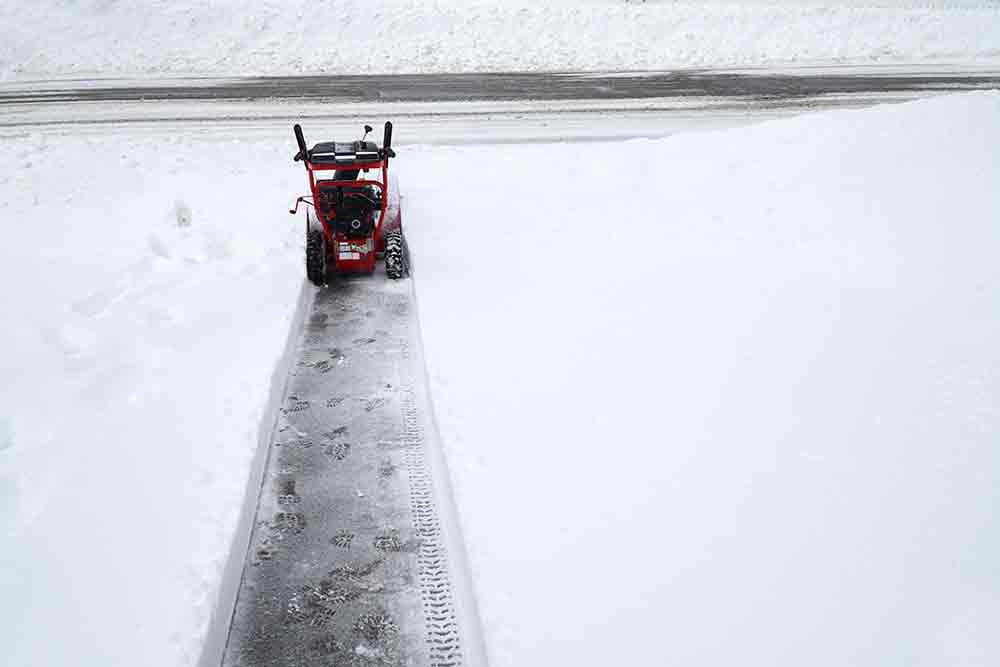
(757, 84)
(472, 108)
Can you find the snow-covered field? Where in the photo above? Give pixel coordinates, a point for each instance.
(112, 38)
(722, 397)
(725, 398)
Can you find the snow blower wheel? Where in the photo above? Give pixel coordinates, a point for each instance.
(316, 257)
(344, 231)
(395, 255)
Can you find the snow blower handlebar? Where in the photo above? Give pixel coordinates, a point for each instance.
(387, 151)
(303, 151)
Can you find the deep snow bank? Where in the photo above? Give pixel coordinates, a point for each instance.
(147, 290)
(100, 38)
(726, 398)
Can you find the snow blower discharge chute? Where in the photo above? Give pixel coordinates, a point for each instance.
(351, 220)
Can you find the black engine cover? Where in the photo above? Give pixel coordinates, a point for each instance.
(354, 217)
(348, 209)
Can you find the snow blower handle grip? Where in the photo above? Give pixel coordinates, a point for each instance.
(303, 152)
(387, 141)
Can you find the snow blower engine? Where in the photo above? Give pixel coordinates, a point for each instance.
(352, 219)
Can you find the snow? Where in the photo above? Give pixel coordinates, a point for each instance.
(770, 438)
(147, 298)
(111, 38)
(728, 397)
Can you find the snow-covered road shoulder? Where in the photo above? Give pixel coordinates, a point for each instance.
(729, 397)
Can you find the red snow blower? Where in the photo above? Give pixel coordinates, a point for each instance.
(352, 219)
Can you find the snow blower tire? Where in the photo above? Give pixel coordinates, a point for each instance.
(396, 266)
(316, 257)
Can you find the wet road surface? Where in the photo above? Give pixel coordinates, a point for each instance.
(759, 84)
